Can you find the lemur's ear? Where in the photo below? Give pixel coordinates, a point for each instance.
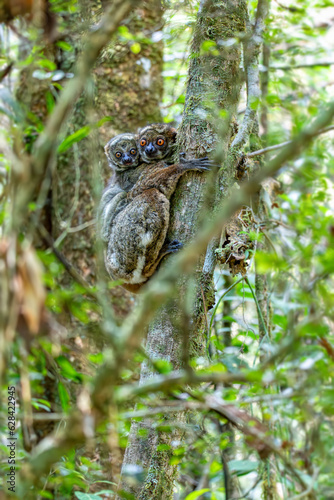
(173, 133)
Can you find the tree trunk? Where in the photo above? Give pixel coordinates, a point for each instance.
(178, 334)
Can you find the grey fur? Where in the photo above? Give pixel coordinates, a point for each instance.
(123, 178)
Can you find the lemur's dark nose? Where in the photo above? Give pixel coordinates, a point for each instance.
(127, 159)
(150, 148)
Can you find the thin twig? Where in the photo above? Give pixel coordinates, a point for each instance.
(257, 306)
(68, 266)
(309, 489)
(251, 51)
(282, 144)
(303, 65)
(82, 226)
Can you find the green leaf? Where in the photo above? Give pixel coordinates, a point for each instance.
(63, 396)
(45, 494)
(163, 447)
(50, 102)
(196, 494)
(87, 496)
(81, 134)
(47, 64)
(75, 137)
(136, 48)
(208, 45)
(64, 45)
(67, 369)
(181, 99)
(242, 467)
(164, 366)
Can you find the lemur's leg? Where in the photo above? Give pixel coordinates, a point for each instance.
(168, 248)
(137, 236)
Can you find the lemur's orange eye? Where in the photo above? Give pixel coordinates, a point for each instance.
(118, 154)
(160, 142)
(133, 151)
(143, 142)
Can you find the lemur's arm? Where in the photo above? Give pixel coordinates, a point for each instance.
(164, 178)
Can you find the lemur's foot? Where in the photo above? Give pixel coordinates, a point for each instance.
(174, 246)
(192, 160)
(197, 163)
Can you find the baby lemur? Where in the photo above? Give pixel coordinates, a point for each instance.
(124, 160)
(136, 238)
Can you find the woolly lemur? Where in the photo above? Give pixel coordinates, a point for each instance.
(136, 237)
(127, 164)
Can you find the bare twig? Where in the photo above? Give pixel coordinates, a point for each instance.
(82, 226)
(309, 489)
(282, 144)
(6, 70)
(252, 48)
(68, 266)
(264, 326)
(303, 65)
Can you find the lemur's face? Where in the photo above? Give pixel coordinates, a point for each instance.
(122, 152)
(156, 142)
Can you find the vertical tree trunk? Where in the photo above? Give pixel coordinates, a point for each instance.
(212, 78)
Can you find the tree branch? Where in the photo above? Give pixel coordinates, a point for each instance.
(68, 266)
(251, 50)
(303, 65)
(286, 143)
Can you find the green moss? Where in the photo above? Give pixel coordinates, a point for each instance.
(159, 483)
(127, 89)
(255, 142)
(213, 74)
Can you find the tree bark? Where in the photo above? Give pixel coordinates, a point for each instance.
(179, 333)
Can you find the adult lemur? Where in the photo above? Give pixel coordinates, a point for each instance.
(138, 227)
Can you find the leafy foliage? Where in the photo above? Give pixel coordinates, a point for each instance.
(283, 410)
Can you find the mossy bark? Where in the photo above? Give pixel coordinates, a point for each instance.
(128, 78)
(179, 332)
